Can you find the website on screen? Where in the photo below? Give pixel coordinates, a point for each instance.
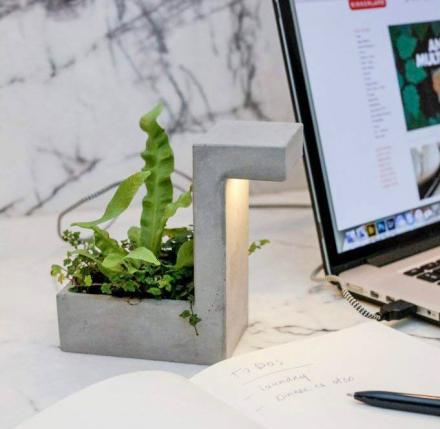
(373, 70)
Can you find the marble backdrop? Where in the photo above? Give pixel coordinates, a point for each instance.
(76, 75)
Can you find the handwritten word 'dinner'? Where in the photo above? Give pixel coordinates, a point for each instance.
(312, 387)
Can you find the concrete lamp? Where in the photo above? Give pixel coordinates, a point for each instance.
(224, 160)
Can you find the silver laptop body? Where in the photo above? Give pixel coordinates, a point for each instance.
(364, 77)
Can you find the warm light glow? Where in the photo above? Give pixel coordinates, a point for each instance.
(236, 190)
(237, 242)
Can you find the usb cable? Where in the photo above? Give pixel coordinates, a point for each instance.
(395, 310)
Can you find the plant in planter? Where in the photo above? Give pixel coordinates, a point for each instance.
(124, 298)
(154, 262)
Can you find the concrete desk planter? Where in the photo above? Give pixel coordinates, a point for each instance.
(106, 325)
(224, 160)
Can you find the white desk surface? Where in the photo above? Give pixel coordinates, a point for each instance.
(284, 306)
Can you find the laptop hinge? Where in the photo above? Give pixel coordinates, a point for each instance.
(404, 251)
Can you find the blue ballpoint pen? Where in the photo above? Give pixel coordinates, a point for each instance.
(423, 404)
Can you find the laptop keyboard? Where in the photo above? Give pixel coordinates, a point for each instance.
(429, 272)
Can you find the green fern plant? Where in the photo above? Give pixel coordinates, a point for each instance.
(154, 261)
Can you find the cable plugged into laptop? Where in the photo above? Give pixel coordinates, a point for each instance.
(397, 310)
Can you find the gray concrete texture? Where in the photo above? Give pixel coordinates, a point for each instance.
(224, 159)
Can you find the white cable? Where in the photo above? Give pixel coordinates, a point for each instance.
(343, 286)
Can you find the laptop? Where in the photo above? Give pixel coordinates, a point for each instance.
(365, 81)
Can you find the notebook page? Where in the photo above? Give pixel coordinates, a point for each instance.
(306, 383)
(145, 399)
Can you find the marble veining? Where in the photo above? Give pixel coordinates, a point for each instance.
(77, 74)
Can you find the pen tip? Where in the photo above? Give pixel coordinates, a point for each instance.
(350, 394)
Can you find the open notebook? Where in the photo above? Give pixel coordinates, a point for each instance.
(302, 384)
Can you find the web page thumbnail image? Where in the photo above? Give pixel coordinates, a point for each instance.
(416, 50)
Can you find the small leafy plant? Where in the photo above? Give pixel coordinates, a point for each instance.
(153, 262)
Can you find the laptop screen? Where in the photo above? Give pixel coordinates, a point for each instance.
(373, 76)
